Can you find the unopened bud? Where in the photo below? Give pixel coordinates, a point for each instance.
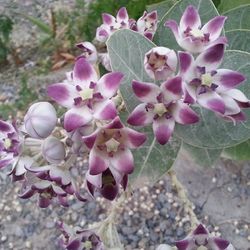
(40, 120)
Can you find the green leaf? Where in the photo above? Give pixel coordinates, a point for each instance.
(165, 37)
(238, 18)
(226, 5)
(212, 131)
(202, 156)
(127, 49)
(238, 152)
(40, 24)
(238, 40)
(161, 7)
(153, 160)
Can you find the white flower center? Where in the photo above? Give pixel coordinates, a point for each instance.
(159, 109)
(206, 79)
(201, 248)
(7, 143)
(112, 145)
(87, 245)
(197, 33)
(86, 94)
(116, 26)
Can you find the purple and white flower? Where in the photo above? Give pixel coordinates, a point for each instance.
(10, 143)
(87, 97)
(146, 24)
(40, 120)
(106, 183)
(89, 51)
(212, 88)
(160, 63)
(191, 36)
(201, 237)
(162, 106)
(111, 24)
(78, 239)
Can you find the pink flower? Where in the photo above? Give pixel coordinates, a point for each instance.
(76, 239)
(89, 51)
(10, 144)
(210, 87)
(160, 63)
(111, 24)
(86, 97)
(110, 150)
(146, 24)
(200, 237)
(162, 107)
(191, 36)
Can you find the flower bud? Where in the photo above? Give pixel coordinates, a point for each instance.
(160, 63)
(53, 150)
(89, 51)
(40, 120)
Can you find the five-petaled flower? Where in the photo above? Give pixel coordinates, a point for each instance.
(210, 87)
(201, 239)
(110, 149)
(86, 97)
(160, 63)
(161, 106)
(191, 36)
(10, 144)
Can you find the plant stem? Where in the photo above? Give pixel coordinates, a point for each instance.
(182, 194)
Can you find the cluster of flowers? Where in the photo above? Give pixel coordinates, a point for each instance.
(44, 149)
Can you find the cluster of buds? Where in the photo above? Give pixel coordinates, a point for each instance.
(146, 25)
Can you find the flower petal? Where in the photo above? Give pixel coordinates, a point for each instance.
(172, 89)
(115, 124)
(140, 116)
(76, 117)
(172, 24)
(163, 129)
(231, 105)
(95, 180)
(190, 18)
(108, 19)
(123, 161)
(146, 92)
(102, 33)
(105, 110)
(97, 162)
(4, 126)
(183, 114)
(122, 15)
(109, 84)
(237, 95)
(186, 61)
(84, 72)
(227, 79)
(211, 58)
(134, 138)
(214, 27)
(89, 140)
(62, 93)
(212, 101)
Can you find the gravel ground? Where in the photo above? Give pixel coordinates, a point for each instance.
(153, 215)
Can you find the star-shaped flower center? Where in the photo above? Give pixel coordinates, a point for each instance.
(206, 79)
(197, 33)
(86, 93)
(7, 143)
(87, 245)
(160, 109)
(112, 145)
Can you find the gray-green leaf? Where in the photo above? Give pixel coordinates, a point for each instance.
(127, 49)
(202, 156)
(212, 131)
(238, 40)
(238, 18)
(226, 5)
(162, 7)
(165, 37)
(238, 152)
